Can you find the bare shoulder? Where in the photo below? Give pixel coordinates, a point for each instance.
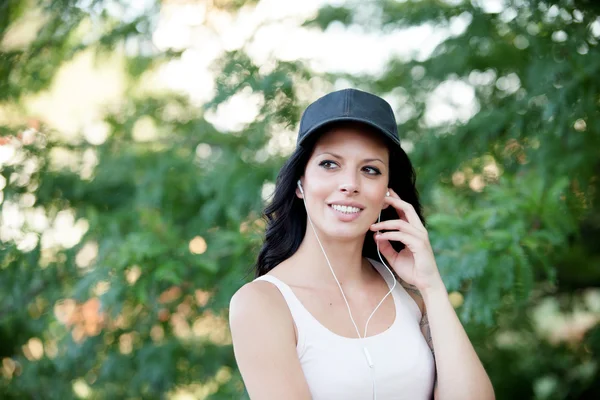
(415, 294)
(258, 302)
(264, 343)
(253, 291)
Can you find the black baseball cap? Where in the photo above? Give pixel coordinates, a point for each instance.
(348, 105)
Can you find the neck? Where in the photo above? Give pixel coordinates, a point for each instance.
(345, 257)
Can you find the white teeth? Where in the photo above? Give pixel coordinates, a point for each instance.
(345, 209)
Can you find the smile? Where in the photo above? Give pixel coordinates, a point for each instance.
(345, 209)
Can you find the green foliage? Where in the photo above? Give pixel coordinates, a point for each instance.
(510, 197)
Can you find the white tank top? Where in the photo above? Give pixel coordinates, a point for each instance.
(335, 367)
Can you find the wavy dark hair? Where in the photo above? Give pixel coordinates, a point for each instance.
(286, 217)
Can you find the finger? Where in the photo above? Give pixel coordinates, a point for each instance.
(386, 250)
(409, 240)
(409, 211)
(398, 224)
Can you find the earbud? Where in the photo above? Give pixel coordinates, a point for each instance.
(387, 194)
(300, 187)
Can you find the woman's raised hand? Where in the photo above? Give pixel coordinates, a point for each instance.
(415, 264)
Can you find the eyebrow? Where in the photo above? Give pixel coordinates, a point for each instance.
(341, 158)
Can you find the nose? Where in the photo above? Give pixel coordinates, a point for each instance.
(349, 187)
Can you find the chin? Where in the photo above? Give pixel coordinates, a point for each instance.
(346, 233)
(345, 228)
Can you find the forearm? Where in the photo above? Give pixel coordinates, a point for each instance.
(460, 374)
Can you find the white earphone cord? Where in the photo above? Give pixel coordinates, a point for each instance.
(367, 355)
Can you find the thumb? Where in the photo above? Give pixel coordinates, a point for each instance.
(386, 249)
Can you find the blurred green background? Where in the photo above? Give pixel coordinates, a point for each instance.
(139, 141)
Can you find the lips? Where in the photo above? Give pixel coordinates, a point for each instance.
(345, 209)
(347, 203)
(344, 212)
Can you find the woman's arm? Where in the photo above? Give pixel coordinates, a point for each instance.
(459, 373)
(426, 330)
(264, 344)
(424, 325)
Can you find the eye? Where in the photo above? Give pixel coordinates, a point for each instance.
(327, 164)
(372, 170)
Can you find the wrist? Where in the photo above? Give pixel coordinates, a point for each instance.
(434, 289)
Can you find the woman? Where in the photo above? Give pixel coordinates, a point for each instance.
(319, 321)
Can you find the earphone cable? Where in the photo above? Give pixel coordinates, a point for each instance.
(372, 370)
(338, 283)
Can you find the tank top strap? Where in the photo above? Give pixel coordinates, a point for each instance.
(302, 318)
(285, 290)
(400, 294)
(383, 271)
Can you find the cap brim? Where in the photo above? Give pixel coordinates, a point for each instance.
(311, 132)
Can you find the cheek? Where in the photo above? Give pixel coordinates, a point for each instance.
(375, 191)
(320, 190)
(320, 185)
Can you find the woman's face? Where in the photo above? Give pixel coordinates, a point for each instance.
(345, 181)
